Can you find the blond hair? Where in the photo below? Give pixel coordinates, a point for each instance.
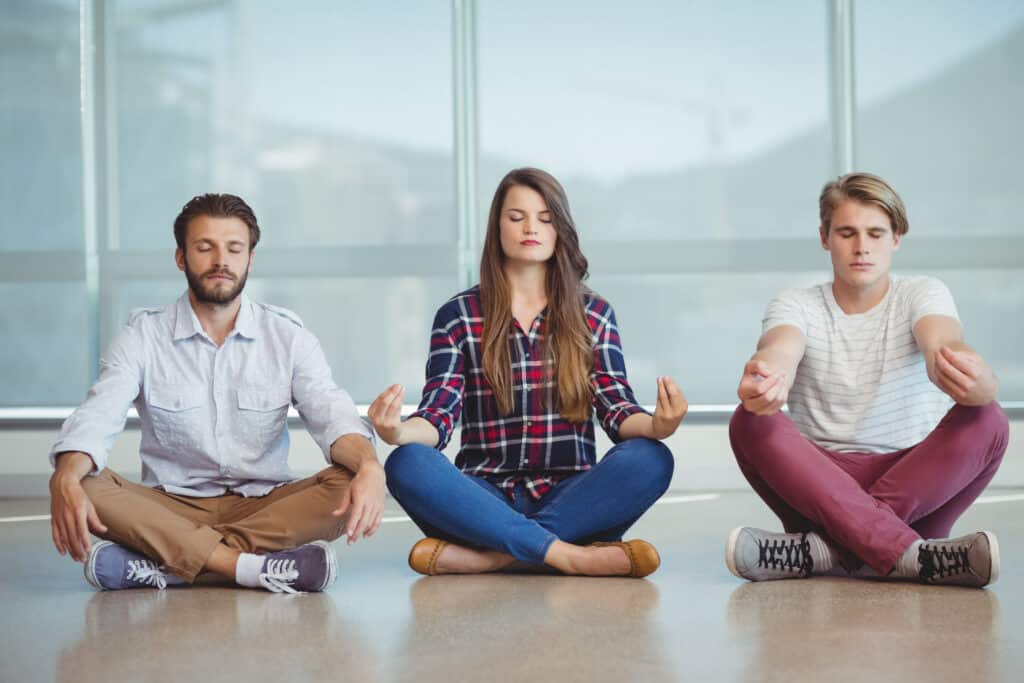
(867, 188)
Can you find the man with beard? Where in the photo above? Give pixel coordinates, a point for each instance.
(212, 377)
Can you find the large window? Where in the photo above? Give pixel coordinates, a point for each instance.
(45, 356)
(939, 114)
(691, 179)
(692, 139)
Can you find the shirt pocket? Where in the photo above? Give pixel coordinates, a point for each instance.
(262, 415)
(176, 412)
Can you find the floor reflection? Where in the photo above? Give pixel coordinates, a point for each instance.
(176, 633)
(543, 627)
(871, 629)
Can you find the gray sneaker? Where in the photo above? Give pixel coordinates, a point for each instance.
(971, 560)
(308, 568)
(759, 555)
(112, 567)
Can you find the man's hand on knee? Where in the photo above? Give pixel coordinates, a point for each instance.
(72, 514)
(364, 502)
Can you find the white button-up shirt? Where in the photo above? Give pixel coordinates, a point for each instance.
(214, 419)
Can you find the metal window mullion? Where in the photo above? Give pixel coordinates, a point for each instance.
(842, 86)
(90, 17)
(464, 62)
(108, 184)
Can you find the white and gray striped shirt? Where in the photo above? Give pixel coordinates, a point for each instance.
(862, 384)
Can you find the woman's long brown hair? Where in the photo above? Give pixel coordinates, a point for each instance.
(567, 350)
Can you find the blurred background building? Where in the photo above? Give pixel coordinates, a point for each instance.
(692, 138)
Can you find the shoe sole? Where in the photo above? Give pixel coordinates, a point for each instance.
(730, 552)
(90, 566)
(332, 563)
(993, 558)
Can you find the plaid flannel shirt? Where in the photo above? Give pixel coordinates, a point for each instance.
(534, 444)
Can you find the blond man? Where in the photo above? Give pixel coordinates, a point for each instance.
(893, 428)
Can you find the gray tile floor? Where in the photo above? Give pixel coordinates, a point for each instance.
(690, 621)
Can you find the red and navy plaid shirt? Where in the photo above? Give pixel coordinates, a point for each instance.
(533, 445)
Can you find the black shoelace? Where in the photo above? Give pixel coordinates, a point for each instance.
(941, 561)
(786, 555)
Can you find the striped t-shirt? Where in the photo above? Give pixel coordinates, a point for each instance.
(862, 384)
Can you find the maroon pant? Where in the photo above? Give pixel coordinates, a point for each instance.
(872, 506)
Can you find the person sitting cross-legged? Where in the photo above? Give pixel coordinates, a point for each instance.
(526, 359)
(212, 377)
(872, 466)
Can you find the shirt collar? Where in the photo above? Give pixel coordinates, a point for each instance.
(187, 325)
(245, 323)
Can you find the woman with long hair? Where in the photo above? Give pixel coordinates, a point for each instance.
(526, 358)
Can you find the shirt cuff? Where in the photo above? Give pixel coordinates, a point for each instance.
(442, 423)
(617, 416)
(340, 430)
(98, 461)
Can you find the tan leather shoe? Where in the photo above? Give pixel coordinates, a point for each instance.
(423, 556)
(643, 558)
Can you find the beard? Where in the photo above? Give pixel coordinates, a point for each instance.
(214, 292)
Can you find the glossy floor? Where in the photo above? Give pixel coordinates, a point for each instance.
(690, 621)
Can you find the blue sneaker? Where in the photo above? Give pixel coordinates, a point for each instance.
(112, 567)
(307, 569)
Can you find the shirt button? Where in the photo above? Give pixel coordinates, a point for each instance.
(528, 423)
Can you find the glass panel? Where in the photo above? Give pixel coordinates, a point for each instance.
(700, 328)
(989, 303)
(671, 141)
(332, 119)
(40, 127)
(44, 360)
(940, 96)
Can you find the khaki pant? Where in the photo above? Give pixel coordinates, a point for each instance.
(182, 532)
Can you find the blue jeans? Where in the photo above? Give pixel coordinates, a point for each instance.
(596, 505)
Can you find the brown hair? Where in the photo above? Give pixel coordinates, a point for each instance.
(216, 206)
(567, 354)
(867, 188)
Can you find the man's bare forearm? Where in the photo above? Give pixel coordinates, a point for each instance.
(73, 464)
(353, 451)
(781, 349)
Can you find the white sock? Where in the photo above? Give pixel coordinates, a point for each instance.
(247, 571)
(907, 567)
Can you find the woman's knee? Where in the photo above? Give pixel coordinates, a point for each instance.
(404, 464)
(649, 461)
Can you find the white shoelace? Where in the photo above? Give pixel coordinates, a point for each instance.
(145, 571)
(279, 576)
